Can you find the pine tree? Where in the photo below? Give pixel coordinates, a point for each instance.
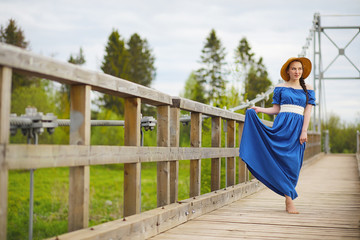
(79, 59)
(253, 73)
(116, 59)
(115, 63)
(141, 61)
(12, 34)
(193, 90)
(132, 61)
(211, 75)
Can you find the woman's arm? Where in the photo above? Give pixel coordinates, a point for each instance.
(307, 115)
(274, 110)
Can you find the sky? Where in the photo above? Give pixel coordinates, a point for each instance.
(176, 32)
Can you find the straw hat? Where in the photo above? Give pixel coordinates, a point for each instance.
(306, 67)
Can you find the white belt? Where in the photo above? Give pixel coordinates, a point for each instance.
(292, 108)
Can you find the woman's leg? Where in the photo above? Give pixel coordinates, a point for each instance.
(290, 208)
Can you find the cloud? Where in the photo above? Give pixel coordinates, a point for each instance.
(176, 31)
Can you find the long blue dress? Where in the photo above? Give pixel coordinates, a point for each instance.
(274, 154)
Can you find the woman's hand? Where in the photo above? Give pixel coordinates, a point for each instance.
(303, 137)
(257, 109)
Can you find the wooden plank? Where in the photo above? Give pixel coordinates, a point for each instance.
(174, 142)
(46, 156)
(195, 165)
(163, 168)
(231, 165)
(132, 171)
(5, 103)
(228, 229)
(329, 205)
(193, 106)
(36, 65)
(215, 162)
(243, 172)
(150, 223)
(79, 176)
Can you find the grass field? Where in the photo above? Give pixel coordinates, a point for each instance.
(106, 196)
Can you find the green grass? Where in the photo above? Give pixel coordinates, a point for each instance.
(106, 196)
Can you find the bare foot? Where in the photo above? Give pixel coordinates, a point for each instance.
(290, 208)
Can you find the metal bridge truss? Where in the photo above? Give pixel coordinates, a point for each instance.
(319, 72)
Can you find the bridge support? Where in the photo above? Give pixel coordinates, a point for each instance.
(79, 177)
(215, 162)
(132, 171)
(231, 166)
(5, 100)
(163, 167)
(243, 171)
(195, 165)
(174, 142)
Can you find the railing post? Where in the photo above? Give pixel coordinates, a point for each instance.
(357, 141)
(163, 168)
(195, 165)
(174, 142)
(79, 177)
(132, 171)
(231, 174)
(326, 142)
(215, 162)
(243, 173)
(5, 103)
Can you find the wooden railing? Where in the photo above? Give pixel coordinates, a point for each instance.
(358, 149)
(79, 155)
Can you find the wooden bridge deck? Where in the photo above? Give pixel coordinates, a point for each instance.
(329, 205)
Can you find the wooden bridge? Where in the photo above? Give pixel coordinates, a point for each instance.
(328, 206)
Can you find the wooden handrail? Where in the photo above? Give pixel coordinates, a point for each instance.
(80, 155)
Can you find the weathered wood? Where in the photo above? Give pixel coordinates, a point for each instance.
(215, 162)
(79, 177)
(163, 168)
(150, 223)
(132, 171)
(174, 142)
(195, 165)
(47, 156)
(5, 97)
(328, 203)
(231, 166)
(36, 65)
(193, 106)
(313, 145)
(242, 166)
(5, 102)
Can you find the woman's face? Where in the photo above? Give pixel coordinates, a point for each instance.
(295, 70)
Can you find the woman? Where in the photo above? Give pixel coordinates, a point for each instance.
(275, 155)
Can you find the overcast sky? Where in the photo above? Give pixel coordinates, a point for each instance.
(176, 31)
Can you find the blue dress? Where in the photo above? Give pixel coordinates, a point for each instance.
(274, 154)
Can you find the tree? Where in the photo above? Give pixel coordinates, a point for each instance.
(243, 54)
(253, 73)
(116, 59)
(211, 75)
(342, 136)
(12, 34)
(193, 90)
(115, 63)
(141, 61)
(257, 80)
(78, 59)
